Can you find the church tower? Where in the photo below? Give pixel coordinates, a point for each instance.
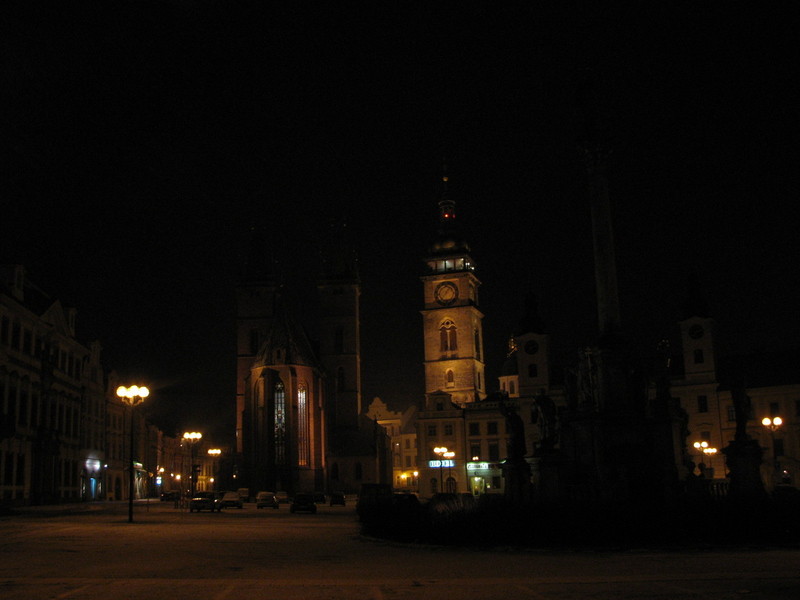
(255, 311)
(526, 371)
(697, 337)
(452, 322)
(340, 329)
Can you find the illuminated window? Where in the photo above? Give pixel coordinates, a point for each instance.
(448, 336)
(302, 425)
(279, 399)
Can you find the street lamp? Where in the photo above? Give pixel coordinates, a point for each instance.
(701, 448)
(215, 453)
(132, 396)
(440, 452)
(449, 456)
(773, 424)
(192, 437)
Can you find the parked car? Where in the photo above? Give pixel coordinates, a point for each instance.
(282, 496)
(303, 502)
(319, 498)
(337, 498)
(210, 501)
(374, 501)
(244, 494)
(231, 500)
(267, 500)
(170, 496)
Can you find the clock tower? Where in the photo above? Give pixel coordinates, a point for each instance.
(452, 323)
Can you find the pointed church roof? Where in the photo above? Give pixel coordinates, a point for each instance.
(338, 257)
(449, 240)
(260, 264)
(287, 336)
(531, 321)
(695, 304)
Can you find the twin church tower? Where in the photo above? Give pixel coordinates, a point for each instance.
(299, 417)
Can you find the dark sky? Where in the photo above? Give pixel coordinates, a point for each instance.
(143, 140)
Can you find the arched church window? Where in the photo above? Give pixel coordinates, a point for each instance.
(448, 336)
(302, 425)
(279, 401)
(449, 378)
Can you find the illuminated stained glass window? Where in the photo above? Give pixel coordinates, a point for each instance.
(302, 425)
(279, 398)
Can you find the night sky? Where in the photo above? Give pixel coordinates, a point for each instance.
(142, 142)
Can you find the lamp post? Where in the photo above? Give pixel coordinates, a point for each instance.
(773, 424)
(440, 452)
(710, 452)
(701, 448)
(215, 453)
(449, 456)
(192, 437)
(132, 396)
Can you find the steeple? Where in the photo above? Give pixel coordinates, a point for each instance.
(531, 321)
(338, 257)
(695, 304)
(449, 250)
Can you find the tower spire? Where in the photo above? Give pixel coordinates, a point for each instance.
(447, 207)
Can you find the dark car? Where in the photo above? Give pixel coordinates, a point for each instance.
(231, 500)
(170, 496)
(374, 501)
(337, 498)
(267, 500)
(303, 502)
(210, 501)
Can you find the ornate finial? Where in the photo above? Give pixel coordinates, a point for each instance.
(447, 208)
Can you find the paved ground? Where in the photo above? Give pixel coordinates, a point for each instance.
(252, 554)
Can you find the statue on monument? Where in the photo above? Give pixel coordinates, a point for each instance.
(516, 470)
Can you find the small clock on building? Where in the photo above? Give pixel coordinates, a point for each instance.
(531, 347)
(446, 293)
(696, 332)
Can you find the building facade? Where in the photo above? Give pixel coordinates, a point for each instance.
(52, 433)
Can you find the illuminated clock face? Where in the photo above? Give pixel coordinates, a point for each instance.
(446, 293)
(696, 332)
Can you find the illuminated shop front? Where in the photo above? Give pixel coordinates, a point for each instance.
(484, 477)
